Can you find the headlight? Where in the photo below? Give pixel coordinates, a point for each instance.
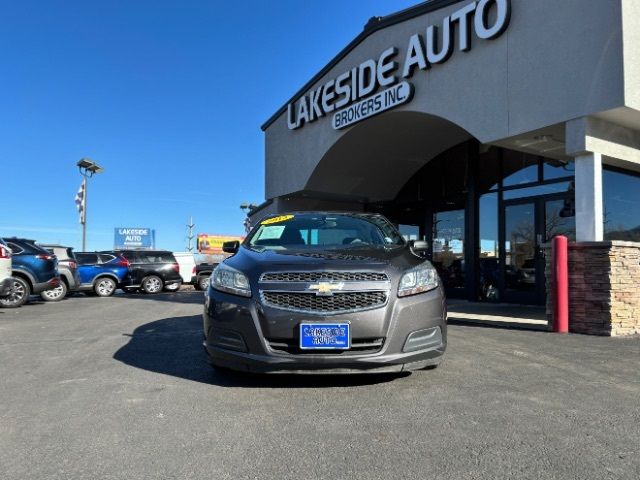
(230, 280)
(417, 280)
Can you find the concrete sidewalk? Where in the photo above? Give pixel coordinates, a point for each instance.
(500, 315)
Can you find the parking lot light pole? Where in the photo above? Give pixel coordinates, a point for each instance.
(88, 168)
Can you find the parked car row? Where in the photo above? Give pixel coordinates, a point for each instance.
(55, 271)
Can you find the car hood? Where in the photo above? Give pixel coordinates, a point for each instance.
(389, 260)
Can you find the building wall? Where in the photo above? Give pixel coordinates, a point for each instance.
(603, 288)
(556, 61)
(631, 46)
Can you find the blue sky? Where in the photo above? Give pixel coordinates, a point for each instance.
(168, 96)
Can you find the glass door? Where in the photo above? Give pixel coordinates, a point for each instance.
(520, 260)
(527, 224)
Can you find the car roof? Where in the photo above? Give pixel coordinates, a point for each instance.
(19, 239)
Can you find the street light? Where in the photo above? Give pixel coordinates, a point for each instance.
(88, 168)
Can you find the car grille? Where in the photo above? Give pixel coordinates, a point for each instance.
(324, 276)
(358, 346)
(336, 303)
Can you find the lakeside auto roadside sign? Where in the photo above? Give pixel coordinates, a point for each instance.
(142, 238)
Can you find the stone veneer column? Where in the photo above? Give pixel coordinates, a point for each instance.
(604, 288)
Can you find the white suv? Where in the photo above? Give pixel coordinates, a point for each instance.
(5, 270)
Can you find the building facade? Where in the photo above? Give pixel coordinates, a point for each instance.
(485, 127)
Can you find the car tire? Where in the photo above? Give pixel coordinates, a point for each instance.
(55, 294)
(152, 285)
(104, 287)
(174, 287)
(203, 282)
(19, 295)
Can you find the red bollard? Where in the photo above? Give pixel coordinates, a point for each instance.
(560, 284)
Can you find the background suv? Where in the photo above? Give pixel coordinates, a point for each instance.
(5, 270)
(101, 273)
(151, 270)
(34, 270)
(67, 269)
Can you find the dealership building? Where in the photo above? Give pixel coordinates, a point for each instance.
(486, 128)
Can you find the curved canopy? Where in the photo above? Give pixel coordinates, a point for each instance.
(375, 159)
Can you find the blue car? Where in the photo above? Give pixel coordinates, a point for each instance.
(101, 273)
(34, 270)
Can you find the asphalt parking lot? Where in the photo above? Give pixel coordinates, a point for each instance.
(118, 388)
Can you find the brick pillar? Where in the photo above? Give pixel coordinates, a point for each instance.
(604, 288)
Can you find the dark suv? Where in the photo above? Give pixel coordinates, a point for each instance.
(67, 269)
(34, 270)
(150, 270)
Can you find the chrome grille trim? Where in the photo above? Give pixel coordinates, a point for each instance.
(338, 303)
(322, 276)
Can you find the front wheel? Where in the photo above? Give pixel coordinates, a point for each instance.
(105, 287)
(174, 287)
(20, 291)
(152, 284)
(55, 294)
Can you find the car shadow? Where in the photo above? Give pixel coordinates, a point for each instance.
(173, 346)
(187, 296)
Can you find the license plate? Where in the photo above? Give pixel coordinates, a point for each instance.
(334, 336)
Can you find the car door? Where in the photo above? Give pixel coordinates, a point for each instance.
(137, 268)
(87, 267)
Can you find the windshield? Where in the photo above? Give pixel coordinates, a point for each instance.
(325, 231)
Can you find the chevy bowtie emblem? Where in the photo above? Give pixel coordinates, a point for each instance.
(325, 288)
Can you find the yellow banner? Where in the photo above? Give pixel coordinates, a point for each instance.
(212, 244)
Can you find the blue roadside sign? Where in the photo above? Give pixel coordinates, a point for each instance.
(143, 238)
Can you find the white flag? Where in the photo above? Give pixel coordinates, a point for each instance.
(80, 201)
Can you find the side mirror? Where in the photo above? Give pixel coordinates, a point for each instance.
(231, 247)
(420, 246)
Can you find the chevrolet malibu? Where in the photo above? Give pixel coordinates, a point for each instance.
(322, 292)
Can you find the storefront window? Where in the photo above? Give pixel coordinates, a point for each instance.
(559, 220)
(409, 232)
(448, 247)
(489, 226)
(489, 248)
(553, 169)
(621, 194)
(538, 190)
(519, 168)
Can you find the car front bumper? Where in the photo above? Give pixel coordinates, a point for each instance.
(237, 332)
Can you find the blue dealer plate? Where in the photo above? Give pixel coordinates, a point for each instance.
(335, 336)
